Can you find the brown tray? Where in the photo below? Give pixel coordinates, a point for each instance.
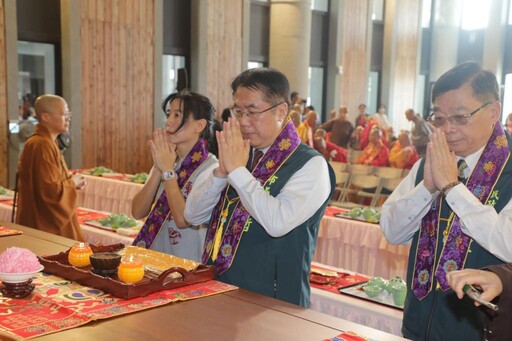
(59, 265)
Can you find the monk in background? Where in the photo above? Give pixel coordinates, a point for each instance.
(403, 154)
(375, 153)
(47, 193)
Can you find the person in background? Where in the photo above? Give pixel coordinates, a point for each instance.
(376, 153)
(47, 192)
(355, 138)
(508, 124)
(180, 155)
(264, 225)
(306, 128)
(226, 114)
(403, 155)
(295, 117)
(371, 124)
(496, 284)
(362, 118)
(390, 136)
(340, 128)
(27, 125)
(381, 118)
(329, 150)
(420, 132)
(454, 206)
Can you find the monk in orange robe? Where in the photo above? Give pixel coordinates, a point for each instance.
(403, 154)
(47, 193)
(375, 153)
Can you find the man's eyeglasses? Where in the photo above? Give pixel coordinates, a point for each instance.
(251, 115)
(439, 118)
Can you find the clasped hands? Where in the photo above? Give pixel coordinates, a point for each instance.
(79, 181)
(162, 150)
(440, 167)
(233, 148)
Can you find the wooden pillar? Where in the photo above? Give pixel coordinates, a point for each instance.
(217, 48)
(290, 38)
(355, 54)
(402, 44)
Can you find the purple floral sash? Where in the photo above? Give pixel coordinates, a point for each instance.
(455, 243)
(154, 222)
(239, 219)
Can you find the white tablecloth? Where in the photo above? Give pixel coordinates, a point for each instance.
(356, 310)
(110, 195)
(360, 247)
(91, 234)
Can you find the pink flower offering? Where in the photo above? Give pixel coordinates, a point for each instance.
(18, 260)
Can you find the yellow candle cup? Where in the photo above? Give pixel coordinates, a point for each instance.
(131, 270)
(79, 255)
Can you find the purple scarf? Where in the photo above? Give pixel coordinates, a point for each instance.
(455, 243)
(239, 219)
(154, 222)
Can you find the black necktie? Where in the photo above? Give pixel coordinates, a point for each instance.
(461, 165)
(256, 158)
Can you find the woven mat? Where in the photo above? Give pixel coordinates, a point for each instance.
(4, 231)
(58, 304)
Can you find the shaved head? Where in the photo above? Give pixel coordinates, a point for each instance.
(48, 104)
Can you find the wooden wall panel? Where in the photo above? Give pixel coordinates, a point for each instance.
(223, 50)
(354, 55)
(117, 42)
(4, 158)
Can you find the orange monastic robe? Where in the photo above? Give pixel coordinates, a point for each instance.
(47, 197)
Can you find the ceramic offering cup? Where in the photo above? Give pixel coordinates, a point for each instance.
(372, 290)
(377, 281)
(399, 292)
(105, 263)
(393, 281)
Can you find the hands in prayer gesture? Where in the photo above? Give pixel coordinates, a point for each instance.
(162, 151)
(440, 163)
(233, 149)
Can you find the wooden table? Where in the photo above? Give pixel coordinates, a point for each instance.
(237, 315)
(360, 247)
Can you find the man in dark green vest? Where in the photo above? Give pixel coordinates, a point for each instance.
(454, 205)
(267, 196)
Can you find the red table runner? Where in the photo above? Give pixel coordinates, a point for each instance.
(57, 304)
(331, 283)
(4, 231)
(85, 214)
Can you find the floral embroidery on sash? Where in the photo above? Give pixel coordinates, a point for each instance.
(238, 220)
(161, 210)
(455, 243)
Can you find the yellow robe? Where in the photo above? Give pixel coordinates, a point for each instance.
(47, 197)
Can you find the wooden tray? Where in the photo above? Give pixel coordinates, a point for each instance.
(59, 265)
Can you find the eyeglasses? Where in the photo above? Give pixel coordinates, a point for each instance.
(439, 118)
(66, 114)
(251, 115)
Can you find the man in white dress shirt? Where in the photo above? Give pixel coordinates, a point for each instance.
(265, 218)
(454, 219)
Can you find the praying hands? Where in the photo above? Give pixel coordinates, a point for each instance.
(233, 149)
(440, 163)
